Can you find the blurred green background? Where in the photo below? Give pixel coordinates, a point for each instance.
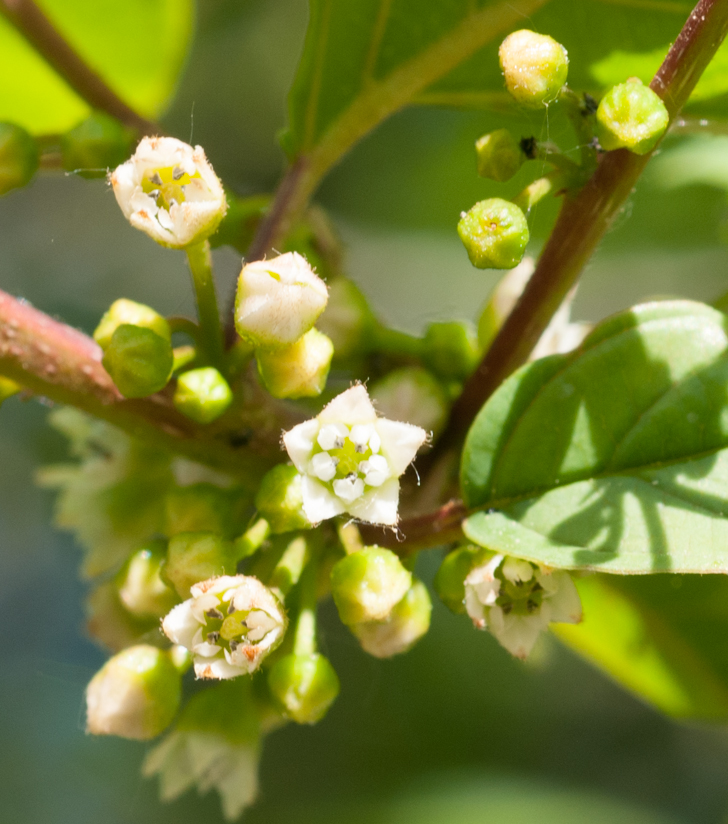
(456, 731)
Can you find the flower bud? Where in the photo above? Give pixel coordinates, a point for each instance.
(305, 686)
(230, 624)
(128, 311)
(197, 556)
(169, 191)
(450, 578)
(202, 394)
(408, 621)
(367, 584)
(631, 116)
(280, 499)
(203, 507)
(19, 157)
(135, 694)
(141, 589)
(494, 233)
(138, 360)
(8, 388)
(112, 625)
(412, 394)
(278, 300)
(499, 155)
(450, 349)
(535, 67)
(299, 370)
(348, 320)
(96, 144)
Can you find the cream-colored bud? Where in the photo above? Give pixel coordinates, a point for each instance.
(299, 370)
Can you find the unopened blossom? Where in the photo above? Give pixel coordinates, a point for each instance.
(350, 460)
(517, 600)
(169, 190)
(230, 624)
(278, 300)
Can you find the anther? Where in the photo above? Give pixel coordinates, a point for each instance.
(214, 613)
(213, 637)
(177, 173)
(155, 179)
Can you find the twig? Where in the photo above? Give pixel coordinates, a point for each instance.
(422, 532)
(45, 38)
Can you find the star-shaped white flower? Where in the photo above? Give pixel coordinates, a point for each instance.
(517, 601)
(230, 624)
(350, 460)
(169, 190)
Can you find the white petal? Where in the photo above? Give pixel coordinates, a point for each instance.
(375, 442)
(400, 442)
(206, 649)
(360, 434)
(219, 668)
(299, 443)
(376, 470)
(180, 624)
(517, 633)
(349, 489)
(350, 407)
(565, 602)
(332, 436)
(319, 503)
(323, 466)
(378, 506)
(514, 569)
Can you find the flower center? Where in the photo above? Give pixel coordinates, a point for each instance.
(167, 185)
(519, 597)
(231, 627)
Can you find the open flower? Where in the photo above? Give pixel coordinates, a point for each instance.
(230, 624)
(169, 190)
(517, 600)
(350, 460)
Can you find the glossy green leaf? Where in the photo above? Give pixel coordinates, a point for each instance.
(137, 47)
(613, 457)
(664, 637)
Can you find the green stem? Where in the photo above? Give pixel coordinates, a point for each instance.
(551, 154)
(304, 642)
(582, 121)
(211, 335)
(538, 190)
(252, 540)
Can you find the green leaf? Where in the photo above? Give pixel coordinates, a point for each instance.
(613, 457)
(137, 47)
(663, 637)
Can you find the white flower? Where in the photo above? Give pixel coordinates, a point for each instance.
(517, 600)
(230, 624)
(350, 460)
(278, 300)
(169, 190)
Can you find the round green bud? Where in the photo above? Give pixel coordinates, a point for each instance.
(19, 157)
(631, 116)
(129, 311)
(280, 499)
(138, 360)
(499, 155)
(450, 349)
(347, 319)
(196, 556)
(202, 507)
(297, 371)
(412, 394)
(202, 394)
(367, 584)
(408, 621)
(135, 694)
(449, 581)
(305, 686)
(96, 145)
(535, 67)
(494, 233)
(141, 589)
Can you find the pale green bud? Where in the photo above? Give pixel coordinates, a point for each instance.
(499, 155)
(141, 589)
(631, 116)
(535, 67)
(128, 311)
(348, 320)
(495, 234)
(408, 621)
(280, 499)
(450, 578)
(19, 157)
(298, 371)
(450, 349)
(367, 584)
(135, 694)
(98, 143)
(305, 686)
(196, 556)
(202, 394)
(112, 625)
(203, 507)
(138, 360)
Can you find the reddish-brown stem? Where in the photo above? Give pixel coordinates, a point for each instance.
(422, 532)
(45, 38)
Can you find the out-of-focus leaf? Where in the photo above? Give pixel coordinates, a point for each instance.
(613, 457)
(663, 637)
(701, 159)
(137, 47)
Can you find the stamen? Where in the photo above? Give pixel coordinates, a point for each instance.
(155, 179)
(231, 608)
(177, 173)
(213, 637)
(214, 613)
